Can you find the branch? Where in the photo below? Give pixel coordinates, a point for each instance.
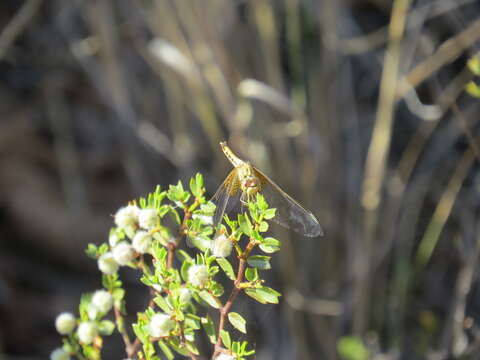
(172, 246)
(123, 332)
(225, 309)
(17, 25)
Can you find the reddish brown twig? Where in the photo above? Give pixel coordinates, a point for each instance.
(225, 309)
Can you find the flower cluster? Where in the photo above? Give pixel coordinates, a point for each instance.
(182, 281)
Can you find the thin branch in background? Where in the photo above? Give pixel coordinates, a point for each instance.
(466, 129)
(446, 53)
(378, 150)
(443, 210)
(378, 37)
(17, 25)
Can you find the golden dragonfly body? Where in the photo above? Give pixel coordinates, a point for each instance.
(245, 181)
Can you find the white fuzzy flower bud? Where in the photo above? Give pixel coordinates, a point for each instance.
(205, 219)
(113, 239)
(92, 312)
(123, 253)
(127, 216)
(141, 242)
(148, 218)
(222, 246)
(102, 300)
(198, 275)
(65, 323)
(107, 264)
(185, 295)
(59, 354)
(224, 356)
(87, 331)
(160, 325)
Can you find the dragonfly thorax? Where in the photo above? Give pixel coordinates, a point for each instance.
(249, 182)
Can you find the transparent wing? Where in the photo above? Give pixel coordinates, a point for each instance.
(289, 214)
(227, 197)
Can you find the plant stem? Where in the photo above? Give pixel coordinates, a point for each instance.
(225, 309)
(123, 332)
(172, 246)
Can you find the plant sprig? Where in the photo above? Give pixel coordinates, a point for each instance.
(182, 281)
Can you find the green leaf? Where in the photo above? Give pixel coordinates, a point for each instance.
(269, 214)
(216, 289)
(177, 194)
(183, 256)
(245, 224)
(166, 350)
(192, 348)
(237, 321)
(259, 261)
(352, 348)
(106, 327)
(91, 251)
(473, 89)
(192, 321)
(178, 347)
(263, 295)
(159, 252)
(226, 339)
(184, 270)
(232, 224)
(251, 274)
(118, 295)
(174, 215)
(270, 245)
(163, 210)
(196, 185)
(474, 65)
(201, 242)
(263, 226)
(262, 204)
(209, 299)
(209, 328)
(163, 304)
(139, 332)
(226, 267)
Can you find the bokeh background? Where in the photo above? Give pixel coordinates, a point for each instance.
(357, 109)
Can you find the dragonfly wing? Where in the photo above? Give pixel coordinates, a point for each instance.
(289, 214)
(227, 197)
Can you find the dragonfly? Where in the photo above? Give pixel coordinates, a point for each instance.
(245, 181)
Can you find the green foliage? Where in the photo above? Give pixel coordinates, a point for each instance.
(182, 282)
(237, 321)
(474, 65)
(352, 348)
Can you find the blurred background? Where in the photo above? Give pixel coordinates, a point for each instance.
(358, 109)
